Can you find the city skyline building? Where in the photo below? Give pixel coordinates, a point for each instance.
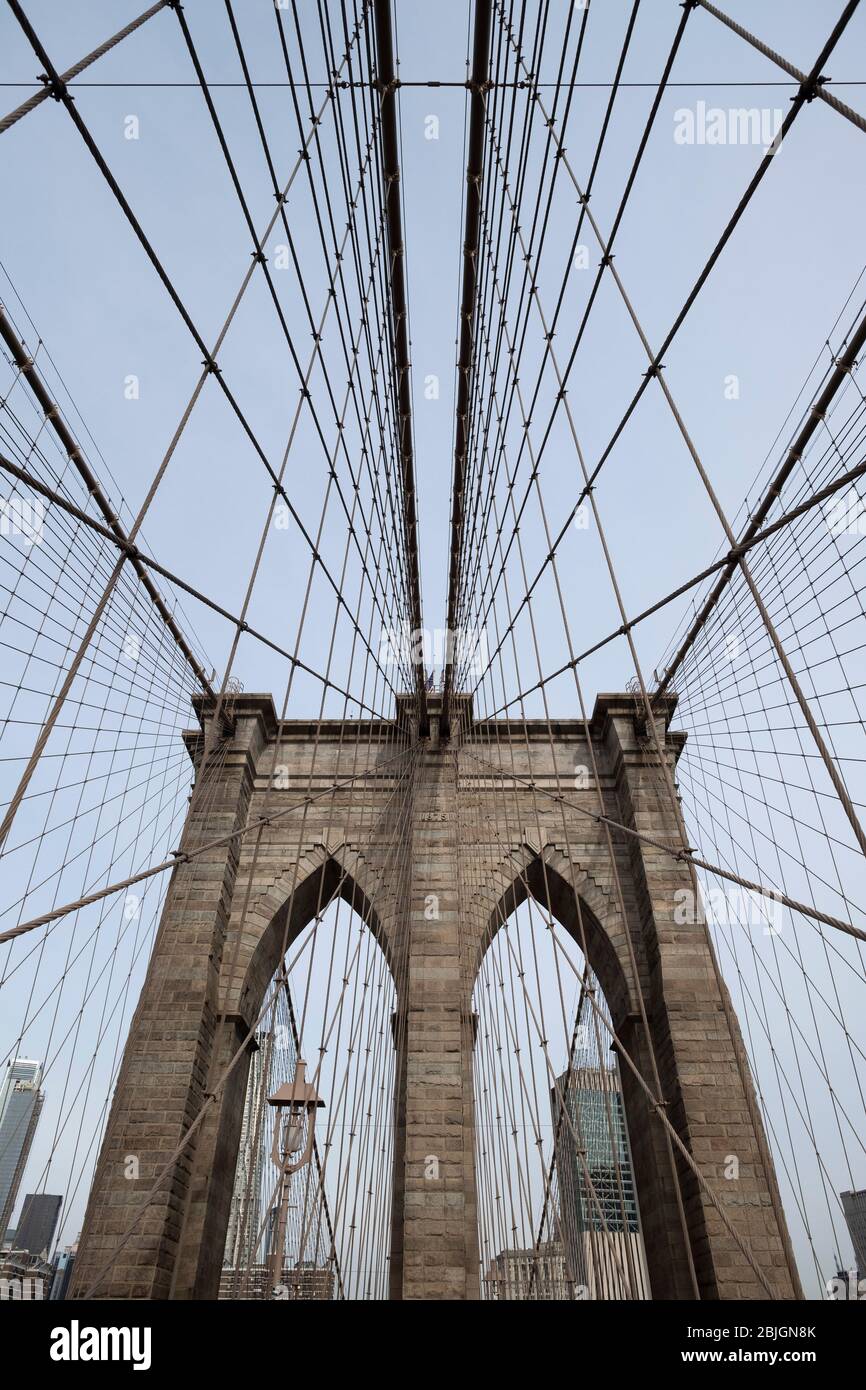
(38, 1225)
(598, 1207)
(303, 1282)
(21, 1101)
(244, 1235)
(530, 1275)
(854, 1207)
(64, 1263)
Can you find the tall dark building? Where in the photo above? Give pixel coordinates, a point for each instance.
(854, 1207)
(39, 1217)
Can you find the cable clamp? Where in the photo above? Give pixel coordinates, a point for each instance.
(55, 86)
(848, 367)
(809, 89)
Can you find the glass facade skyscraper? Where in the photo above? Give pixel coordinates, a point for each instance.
(598, 1207)
(604, 1187)
(20, 1107)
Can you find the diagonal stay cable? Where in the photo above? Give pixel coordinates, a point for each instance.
(184, 857)
(25, 363)
(209, 368)
(804, 94)
(817, 413)
(821, 92)
(38, 97)
(682, 855)
(130, 548)
(731, 556)
(655, 360)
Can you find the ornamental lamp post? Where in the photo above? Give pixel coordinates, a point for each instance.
(295, 1103)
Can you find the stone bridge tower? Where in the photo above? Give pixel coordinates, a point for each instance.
(220, 940)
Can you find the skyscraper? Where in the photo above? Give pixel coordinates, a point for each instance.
(244, 1233)
(39, 1217)
(854, 1207)
(525, 1275)
(20, 1107)
(600, 1223)
(64, 1262)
